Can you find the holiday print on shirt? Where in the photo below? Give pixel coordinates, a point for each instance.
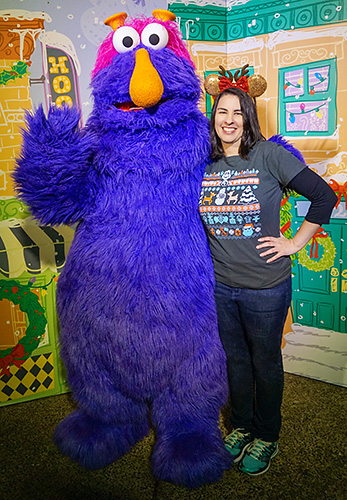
(229, 205)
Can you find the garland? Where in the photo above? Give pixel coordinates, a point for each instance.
(328, 257)
(18, 70)
(28, 303)
(286, 219)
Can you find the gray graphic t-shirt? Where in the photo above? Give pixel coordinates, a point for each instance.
(240, 202)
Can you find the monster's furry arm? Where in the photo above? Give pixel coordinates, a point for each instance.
(54, 175)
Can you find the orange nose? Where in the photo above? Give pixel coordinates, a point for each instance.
(146, 87)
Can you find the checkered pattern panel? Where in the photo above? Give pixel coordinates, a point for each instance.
(35, 375)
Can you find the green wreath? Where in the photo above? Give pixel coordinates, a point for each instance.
(28, 303)
(286, 219)
(327, 259)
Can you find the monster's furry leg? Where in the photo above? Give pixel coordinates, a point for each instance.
(190, 450)
(96, 439)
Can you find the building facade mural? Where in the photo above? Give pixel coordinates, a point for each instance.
(299, 47)
(47, 52)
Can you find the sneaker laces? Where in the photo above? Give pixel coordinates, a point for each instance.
(260, 448)
(236, 436)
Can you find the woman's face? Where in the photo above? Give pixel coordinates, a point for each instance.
(229, 123)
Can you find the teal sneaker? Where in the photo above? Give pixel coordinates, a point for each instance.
(258, 457)
(237, 442)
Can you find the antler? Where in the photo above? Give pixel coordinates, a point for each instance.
(222, 70)
(244, 72)
(224, 73)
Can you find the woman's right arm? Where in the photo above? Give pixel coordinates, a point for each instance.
(323, 199)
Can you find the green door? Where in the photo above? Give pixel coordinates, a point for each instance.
(319, 277)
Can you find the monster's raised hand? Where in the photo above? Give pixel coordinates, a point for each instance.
(54, 164)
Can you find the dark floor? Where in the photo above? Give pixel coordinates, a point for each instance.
(311, 464)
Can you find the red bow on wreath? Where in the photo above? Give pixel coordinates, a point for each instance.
(314, 244)
(340, 190)
(12, 358)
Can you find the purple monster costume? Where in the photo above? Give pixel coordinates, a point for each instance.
(135, 298)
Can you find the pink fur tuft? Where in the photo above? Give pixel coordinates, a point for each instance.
(107, 51)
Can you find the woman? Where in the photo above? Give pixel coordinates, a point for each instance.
(240, 207)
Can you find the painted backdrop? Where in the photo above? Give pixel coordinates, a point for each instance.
(299, 46)
(47, 51)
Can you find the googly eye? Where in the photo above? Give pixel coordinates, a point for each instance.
(155, 36)
(125, 38)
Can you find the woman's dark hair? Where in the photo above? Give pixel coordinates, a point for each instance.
(251, 128)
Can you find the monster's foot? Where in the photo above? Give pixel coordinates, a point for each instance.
(190, 459)
(94, 444)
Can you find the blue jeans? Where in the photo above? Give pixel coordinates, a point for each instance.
(250, 326)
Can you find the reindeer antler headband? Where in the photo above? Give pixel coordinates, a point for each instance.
(254, 85)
